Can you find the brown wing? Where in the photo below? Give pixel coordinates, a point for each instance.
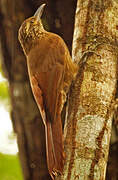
(51, 84)
(47, 84)
(46, 62)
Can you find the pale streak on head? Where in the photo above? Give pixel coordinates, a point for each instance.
(27, 27)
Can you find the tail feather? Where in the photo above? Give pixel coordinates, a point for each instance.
(54, 147)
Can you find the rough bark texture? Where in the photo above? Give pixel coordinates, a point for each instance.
(25, 114)
(92, 96)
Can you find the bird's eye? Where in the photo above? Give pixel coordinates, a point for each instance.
(32, 22)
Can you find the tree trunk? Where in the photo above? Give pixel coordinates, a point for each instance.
(92, 95)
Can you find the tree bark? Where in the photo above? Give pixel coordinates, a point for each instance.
(92, 96)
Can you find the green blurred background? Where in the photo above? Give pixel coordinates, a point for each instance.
(10, 167)
(9, 163)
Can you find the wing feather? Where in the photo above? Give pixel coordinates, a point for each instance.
(47, 81)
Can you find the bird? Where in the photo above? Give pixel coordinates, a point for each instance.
(51, 72)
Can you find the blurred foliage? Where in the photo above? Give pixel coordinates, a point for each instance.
(9, 164)
(10, 168)
(1, 63)
(12, 136)
(4, 91)
(4, 94)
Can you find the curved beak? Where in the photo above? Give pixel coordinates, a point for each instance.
(39, 12)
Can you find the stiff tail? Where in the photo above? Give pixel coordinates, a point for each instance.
(54, 147)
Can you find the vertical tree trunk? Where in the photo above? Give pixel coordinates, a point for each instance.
(92, 96)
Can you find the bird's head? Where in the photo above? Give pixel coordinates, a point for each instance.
(31, 29)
